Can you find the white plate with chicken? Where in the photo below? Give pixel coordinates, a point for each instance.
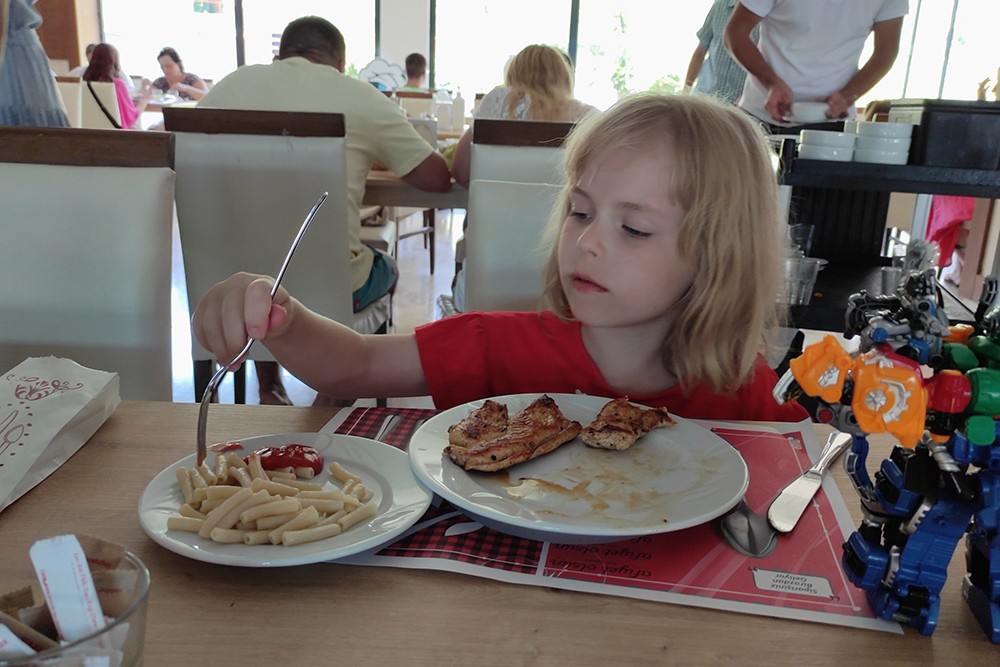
(556, 488)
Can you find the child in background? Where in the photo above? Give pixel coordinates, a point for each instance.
(663, 277)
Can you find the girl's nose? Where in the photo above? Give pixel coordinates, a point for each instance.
(589, 239)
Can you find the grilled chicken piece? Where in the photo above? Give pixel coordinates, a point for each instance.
(481, 426)
(619, 424)
(487, 423)
(538, 429)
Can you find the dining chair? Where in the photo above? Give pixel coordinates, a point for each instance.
(522, 151)
(71, 92)
(85, 258)
(245, 181)
(91, 114)
(504, 244)
(59, 66)
(428, 129)
(516, 151)
(416, 103)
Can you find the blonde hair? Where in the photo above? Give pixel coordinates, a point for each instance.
(545, 76)
(724, 179)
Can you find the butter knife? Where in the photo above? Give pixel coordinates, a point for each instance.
(791, 502)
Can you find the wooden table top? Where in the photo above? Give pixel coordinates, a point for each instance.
(383, 188)
(327, 613)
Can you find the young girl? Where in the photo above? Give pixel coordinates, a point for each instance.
(664, 275)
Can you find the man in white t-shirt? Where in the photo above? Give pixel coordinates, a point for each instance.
(810, 51)
(308, 75)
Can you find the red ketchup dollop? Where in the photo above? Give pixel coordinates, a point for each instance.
(291, 456)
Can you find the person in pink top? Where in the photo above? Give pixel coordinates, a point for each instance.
(663, 276)
(104, 67)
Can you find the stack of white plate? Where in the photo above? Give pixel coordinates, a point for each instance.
(884, 143)
(823, 145)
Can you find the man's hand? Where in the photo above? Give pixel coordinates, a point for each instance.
(779, 101)
(839, 105)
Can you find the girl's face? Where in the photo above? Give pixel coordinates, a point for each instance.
(618, 260)
(170, 69)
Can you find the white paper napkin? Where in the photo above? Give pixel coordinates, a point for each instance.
(49, 407)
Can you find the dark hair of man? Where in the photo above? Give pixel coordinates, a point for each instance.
(416, 65)
(171, 53)
(312, 36)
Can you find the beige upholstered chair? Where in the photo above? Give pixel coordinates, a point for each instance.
(416, 103)
(70, 90)
(85, 257)
(245, 181)
(504, 244)
(519, 153)
(91, 115)
(518, 150)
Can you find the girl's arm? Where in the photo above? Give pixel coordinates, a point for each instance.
(329, 357)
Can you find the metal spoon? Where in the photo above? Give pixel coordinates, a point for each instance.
(213, 385)
(749, 532)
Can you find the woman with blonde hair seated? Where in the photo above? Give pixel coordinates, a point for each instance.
(538, 86)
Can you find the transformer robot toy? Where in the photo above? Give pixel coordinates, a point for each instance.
(936, 389)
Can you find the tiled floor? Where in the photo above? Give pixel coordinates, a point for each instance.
(413, 305)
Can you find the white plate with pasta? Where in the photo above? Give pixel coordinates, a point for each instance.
(384, 470)
(672, 478)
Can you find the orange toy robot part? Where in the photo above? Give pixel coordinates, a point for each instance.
(822, 368)
(889, 397)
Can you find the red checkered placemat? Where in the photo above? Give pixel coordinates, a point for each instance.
(366, 422)
(692, 566)
(448, 533)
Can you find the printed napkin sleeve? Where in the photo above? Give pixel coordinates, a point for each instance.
(49, 407)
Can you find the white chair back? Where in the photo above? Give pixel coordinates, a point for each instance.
(59, 66)
(91, 115)
(245, 182)
(519, 151)
(85, 257)
(426, 128)
(504, 244)
(417, 103)
(70, 90)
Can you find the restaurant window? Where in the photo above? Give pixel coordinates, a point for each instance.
(927, 67)
(474, 40)
(629, 46)
(203, 33)
(264, 20)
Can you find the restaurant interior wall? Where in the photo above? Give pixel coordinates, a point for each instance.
(68, 27)
(404, 29)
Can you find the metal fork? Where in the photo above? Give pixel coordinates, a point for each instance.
(213, 385)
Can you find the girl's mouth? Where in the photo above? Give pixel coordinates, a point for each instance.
(583, 283)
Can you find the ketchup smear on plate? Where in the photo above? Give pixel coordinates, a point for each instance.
(291, 456)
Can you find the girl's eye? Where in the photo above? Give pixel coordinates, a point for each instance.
(582, 216)
(635, 233)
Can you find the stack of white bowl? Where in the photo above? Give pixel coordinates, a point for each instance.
(883, 143)
(824, 145)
